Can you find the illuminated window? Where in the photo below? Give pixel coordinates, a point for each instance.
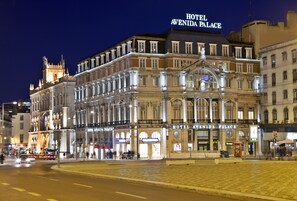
(141, 46)
(238, 52)
(142, 62)
(189, 48)
(225, 50)
(154, 46)
(200, 47)
(248, 52)
(239, 67)
(240, 113)
(273, 61)
(175, 46)
(213, 49)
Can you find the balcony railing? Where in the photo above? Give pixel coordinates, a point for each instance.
(247, 121)
(150, 121)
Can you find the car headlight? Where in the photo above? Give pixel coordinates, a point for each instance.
(18, 160)
(28, 160)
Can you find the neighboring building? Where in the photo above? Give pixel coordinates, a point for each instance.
(264, 33)
(279, 93)
(20, 128)
(181, 94)
(52, 111)
(7, 109)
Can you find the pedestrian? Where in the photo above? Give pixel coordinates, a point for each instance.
(2, 158)
(87, 154)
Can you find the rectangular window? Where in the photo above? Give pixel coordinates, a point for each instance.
(238, 52)
(251, 113)
(176, 63)
(200, 47)
(273, 98)
(155, 63)
(175, 81)
(294, 56)
(123, 49)
(155, 81)
(189, 48)
(142, 62)
(285, 75)
(21, 138)
(141, 46)
(225, 50)
(250, 68)
(240, 114)
(143, 80)
(273, 79)
(21, 126)
(265, 79)
(265, 97)
(294, 75)
(213, 49)
(284, 56)
(248, 52)
(264, 61)
(21, 117)
(239, 67)
(228, 82)
(154, 46)
(175, 47)
(285, 94)
(239, 84)
(273, 61)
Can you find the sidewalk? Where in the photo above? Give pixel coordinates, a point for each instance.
(251, 179)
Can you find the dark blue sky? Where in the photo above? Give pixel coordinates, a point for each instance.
(31, 29)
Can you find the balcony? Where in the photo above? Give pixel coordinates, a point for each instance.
(247, 121)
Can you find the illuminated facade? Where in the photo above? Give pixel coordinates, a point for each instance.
(52, 111)
(264, 33)
(279, 93)
(173, 95)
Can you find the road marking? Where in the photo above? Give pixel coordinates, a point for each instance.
(136, 196)
(18, 189)
(87, 186)
(34, 194)
(50, 179)
(51, 200)
(5, 184)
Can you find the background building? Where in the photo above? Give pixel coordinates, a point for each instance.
(279, 95)
(52, 111)
(20, 128)
(180, 94)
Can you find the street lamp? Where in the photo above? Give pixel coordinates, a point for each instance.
(2, 115)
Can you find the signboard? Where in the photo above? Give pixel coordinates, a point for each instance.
(196, 20)
(150, 140)
(253, 133)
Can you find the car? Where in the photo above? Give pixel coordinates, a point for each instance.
(24, 159)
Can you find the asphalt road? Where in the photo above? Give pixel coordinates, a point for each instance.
(38, 182)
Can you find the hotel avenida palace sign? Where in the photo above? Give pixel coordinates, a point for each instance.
(196, 20)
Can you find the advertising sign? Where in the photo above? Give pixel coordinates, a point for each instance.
(253, 133)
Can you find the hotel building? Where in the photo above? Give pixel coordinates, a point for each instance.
(184, 93)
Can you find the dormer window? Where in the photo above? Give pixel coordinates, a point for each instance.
(175, 47)
(238, 52)
(141, 46)
(248, 53)
(154, 46)
(189, 48)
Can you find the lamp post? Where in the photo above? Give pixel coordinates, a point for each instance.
(2, 115)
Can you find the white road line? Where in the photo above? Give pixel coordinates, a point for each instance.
(34, 194)
(50, 179)
(5, 184)
(18, 189)
(51, 200)
(83, 185)
(131, 195)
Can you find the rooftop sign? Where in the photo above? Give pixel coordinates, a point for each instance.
(196, 20)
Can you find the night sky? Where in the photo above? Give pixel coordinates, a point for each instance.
(76, 29)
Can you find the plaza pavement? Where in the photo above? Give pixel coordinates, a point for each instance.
(248, 180)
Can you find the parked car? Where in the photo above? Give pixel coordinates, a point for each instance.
(24, 159)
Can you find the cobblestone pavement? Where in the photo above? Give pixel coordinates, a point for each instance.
(251, 179)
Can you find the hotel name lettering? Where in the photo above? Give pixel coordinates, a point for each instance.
(205, 126)
(196, 20)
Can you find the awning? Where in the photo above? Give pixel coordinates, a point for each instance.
(285, 142)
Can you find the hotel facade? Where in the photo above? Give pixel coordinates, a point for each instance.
(179, 94)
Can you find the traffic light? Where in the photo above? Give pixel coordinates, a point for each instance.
(275, 136)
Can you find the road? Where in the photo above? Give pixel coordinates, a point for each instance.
(38, 182)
